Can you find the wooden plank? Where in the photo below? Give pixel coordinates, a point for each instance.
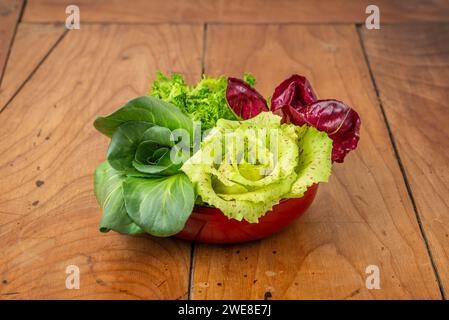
(260, 11)
(23, 61)
(362, 217)
(48, 214)
(9, 13)
(415, 97)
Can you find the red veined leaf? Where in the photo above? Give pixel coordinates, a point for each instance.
(295, 91)
(244, 100)
(340, 121)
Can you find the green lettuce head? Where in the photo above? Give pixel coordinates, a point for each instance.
(141, 188)
(246, 167)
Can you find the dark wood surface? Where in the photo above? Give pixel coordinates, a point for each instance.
(411, 69)
(231, 11)
(386, 205)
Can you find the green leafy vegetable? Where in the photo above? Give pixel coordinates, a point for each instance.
(140, 188)
(265, 161)
(173, 90)
(147, 109)
(153, 154)
(124, 144)
(249, 79)
(204, 102)
(144, 147)
(109, 193)
(314, 165)
(159, 206)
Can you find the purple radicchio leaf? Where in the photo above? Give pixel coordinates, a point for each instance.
(295, 91)
(340, 121)
(244, 100)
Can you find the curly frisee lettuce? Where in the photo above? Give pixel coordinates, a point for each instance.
(246, 167)
(204, 102)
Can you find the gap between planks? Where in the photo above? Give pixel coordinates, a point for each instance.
(400, 163)
(22, 11)
(11, 43)
(30, 76)
(243, 23)
(205, 26)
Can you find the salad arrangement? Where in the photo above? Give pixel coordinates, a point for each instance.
(217, 144)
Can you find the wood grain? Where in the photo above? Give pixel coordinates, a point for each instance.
(362, 217)
(415, 99)
(48, 214)
(9, 17)
(260, 11)
(23, 61)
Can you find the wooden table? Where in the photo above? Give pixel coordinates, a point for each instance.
(388, 205)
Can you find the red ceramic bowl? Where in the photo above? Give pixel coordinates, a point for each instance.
(209, 225)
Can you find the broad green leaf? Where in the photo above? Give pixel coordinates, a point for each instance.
(109, 194)
(148, 109)
(159, 206)
(149, 152)
(124, 144)
(160, 135)
(158, 163)
(153, 155)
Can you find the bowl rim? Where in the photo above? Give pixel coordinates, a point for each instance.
(217, 210)
(271, 222)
